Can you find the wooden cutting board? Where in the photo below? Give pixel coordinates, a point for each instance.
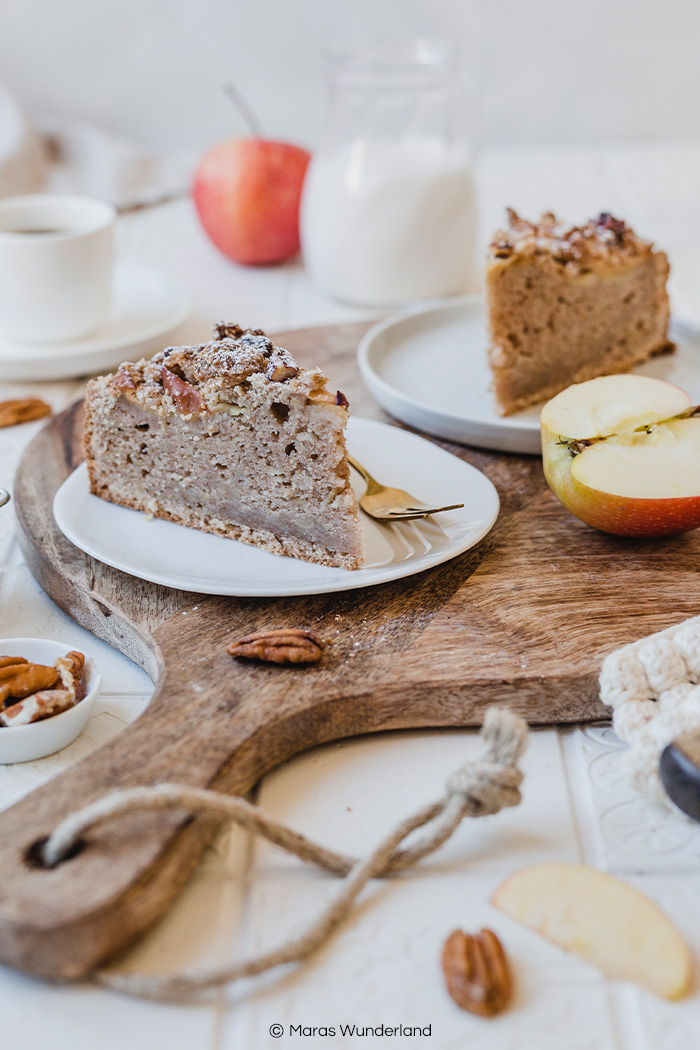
(524, 619)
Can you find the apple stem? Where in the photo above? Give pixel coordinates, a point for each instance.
(249, 116)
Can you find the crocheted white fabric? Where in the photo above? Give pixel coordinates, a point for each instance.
(653, 687)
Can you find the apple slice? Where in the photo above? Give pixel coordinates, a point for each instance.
(602, 920)
(622, 453)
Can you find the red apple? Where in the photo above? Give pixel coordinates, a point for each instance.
(622, 453)
(247, 194)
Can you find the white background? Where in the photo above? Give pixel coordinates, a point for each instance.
(546, 69)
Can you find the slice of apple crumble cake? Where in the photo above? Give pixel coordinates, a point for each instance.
(231, 437)
(569, 303)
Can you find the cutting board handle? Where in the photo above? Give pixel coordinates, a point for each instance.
(213, 722)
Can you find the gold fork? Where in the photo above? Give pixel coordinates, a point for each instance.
(388, 504)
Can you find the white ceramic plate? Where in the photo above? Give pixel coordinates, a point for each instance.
(428, 368)
(187, 559)
(147, 310)
(25, 743)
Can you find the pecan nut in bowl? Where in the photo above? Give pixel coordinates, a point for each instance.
(19, 678)
(33, 692)
(51, 715)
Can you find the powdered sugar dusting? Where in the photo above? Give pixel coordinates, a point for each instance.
(238, 356)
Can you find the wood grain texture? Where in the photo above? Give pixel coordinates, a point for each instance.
(524, 619)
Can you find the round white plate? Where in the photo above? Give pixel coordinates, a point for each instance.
(147, 309)
(428, 368)
(190, 560)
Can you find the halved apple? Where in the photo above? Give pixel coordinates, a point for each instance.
(622, 453)
(602, 920)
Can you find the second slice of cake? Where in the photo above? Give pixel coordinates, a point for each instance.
(231, 437)
(569, 303)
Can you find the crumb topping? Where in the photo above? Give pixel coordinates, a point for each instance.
(192, 379)
(232, 358)
(605, 240)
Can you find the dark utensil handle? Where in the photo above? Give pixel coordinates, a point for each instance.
(679, 767)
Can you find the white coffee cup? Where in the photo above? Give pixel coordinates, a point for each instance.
(56, 255)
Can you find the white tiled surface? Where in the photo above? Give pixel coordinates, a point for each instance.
(383, 965)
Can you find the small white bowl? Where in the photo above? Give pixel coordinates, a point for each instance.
(38, 739)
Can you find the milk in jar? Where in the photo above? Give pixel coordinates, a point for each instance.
(388, 209)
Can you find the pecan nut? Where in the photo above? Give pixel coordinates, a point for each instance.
(19, 678)
(22, 410)
(35, 708)
(32, 692)
(284, 646)
(476, 972)
(228, 330)
(77, 662)
(71, 668)
(503, 249)
(231, 330)
(282, 366)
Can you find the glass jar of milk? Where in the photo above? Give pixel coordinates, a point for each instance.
(388, 209)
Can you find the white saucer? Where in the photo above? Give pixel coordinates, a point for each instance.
(187, 559)
(428, 368)
(148, 308)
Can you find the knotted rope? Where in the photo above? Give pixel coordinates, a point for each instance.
(478, 789)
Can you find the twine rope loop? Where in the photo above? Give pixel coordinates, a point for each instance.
(478, 789)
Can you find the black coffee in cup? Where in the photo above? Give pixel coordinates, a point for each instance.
(51, 229)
